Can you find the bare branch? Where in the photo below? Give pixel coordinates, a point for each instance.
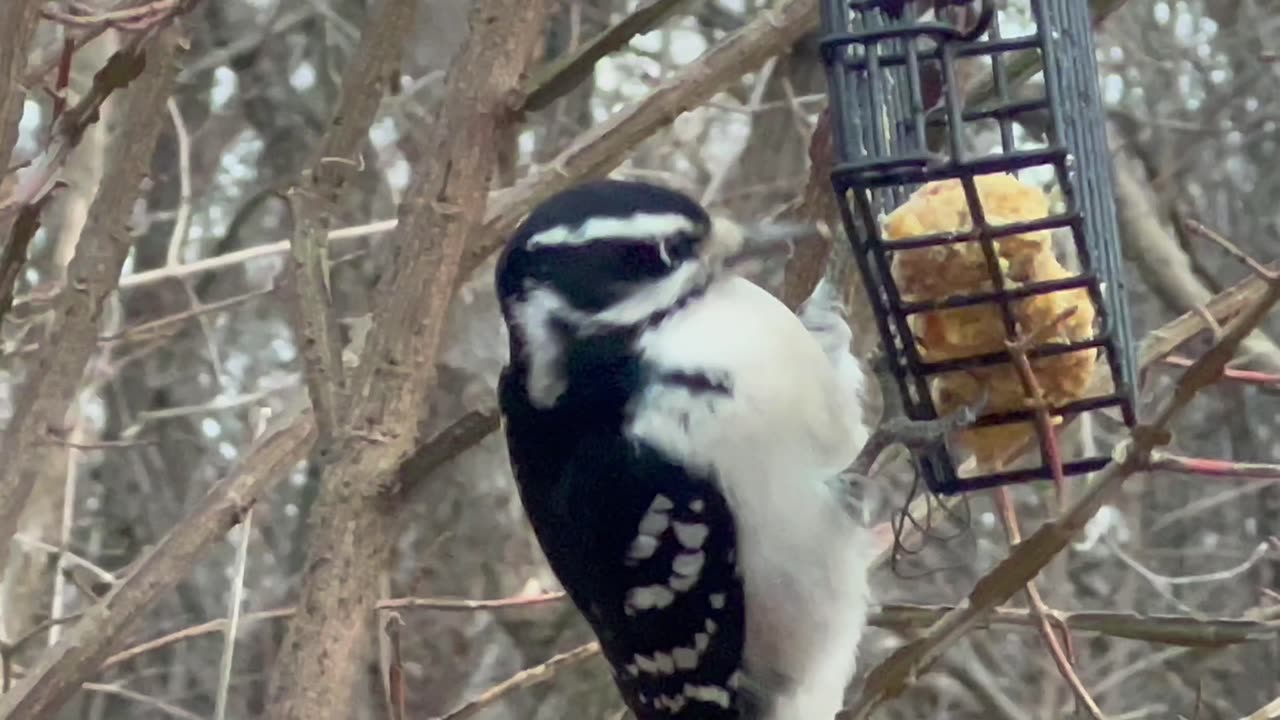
(18, 19)
(311, 306)
(352, 524)
(44, 398)
(561, 76)
(87, 645)
(535, 675)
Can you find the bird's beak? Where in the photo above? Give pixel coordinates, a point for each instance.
(768, 243)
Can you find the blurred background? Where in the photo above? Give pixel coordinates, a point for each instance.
(197, 341)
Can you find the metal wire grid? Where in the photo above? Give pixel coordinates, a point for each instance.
(889, 141)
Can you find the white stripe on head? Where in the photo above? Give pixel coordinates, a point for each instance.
(640, 226)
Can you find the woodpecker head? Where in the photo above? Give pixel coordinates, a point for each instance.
(611, 255)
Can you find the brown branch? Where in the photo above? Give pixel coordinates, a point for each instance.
(559, 77)
(171, 558)
(1221, 308)
(1162, 262)
(1041, 613)
(146, 700)
(9, 650)
(87, 645)
(530, 677)
(594, 153)
(460, 604)
(56, 370)
(1200, 230)
(307, 286)
(18, 19)
(467, 431)
(13, 256)
(1181, 630)
(122, 68)
(1060, 652)
(352, 523)
(1025, 561)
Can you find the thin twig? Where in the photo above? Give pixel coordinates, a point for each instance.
(182, 223)
(8, 650)
(1200, 230)
(1041, 614)
(311, 306)
(1214, 468)
(1245, 377)
(559, 77)
(535, 675)
(462, 604)
(147, 700)
(103, 575)
(435, 604)
(233, 621)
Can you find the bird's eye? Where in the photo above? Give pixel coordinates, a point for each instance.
(678, 248)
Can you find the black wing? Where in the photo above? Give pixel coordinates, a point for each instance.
(646, 551)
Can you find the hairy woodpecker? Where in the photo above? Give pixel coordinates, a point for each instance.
(676, 434)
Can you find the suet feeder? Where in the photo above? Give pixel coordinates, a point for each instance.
(975, 183)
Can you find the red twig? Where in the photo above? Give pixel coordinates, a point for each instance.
(1062, 652)
(138, 17)
(1214, 468)
(1035, 395)
(1248, 377)
(64, 78)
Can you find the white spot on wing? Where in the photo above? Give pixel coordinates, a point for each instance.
(642, 548)
(646, 664)
(717, 601)
(682, 583)
(708, 694)
(691, 535)
(688, 564)
(648, 597)
(654, 523)
(685, 658)
(674, 704)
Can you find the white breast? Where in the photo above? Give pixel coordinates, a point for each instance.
(793, 421)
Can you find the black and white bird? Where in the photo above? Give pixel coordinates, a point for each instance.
(677, 435)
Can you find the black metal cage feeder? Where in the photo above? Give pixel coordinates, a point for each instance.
(930, 101)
